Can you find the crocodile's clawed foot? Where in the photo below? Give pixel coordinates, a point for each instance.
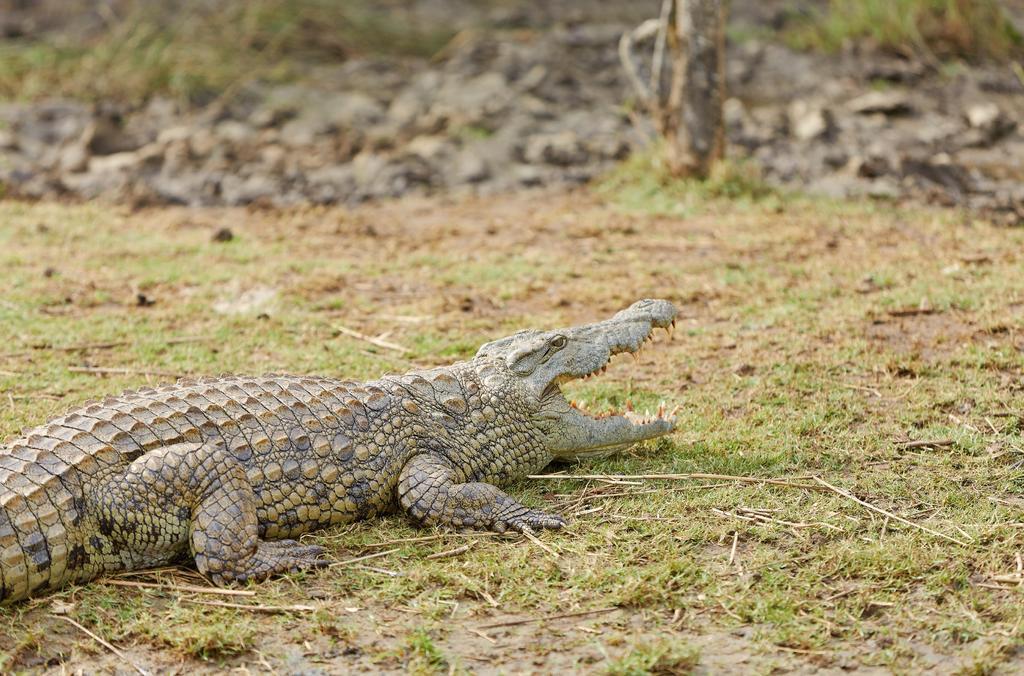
(530, 520)
(275, 558)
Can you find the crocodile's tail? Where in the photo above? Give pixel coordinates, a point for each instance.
(37, 517)
(25, 546)
(33, 544)
(12, 570)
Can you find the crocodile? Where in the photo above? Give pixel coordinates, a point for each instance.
(227, 472)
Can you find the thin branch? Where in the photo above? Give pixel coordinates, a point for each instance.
(85, 347)
(371, 340)
(452, 552)
(374, 569)
(911, 311)
(883, 512)
(365, 557)
(107, 371)
(428, 538)
(481, 635)
(561, 616)
(675, 477)
(528, 534)
(658, 59)
(925, 443)
(256, 608)
(127, 660)
(642, 32)
(757, 516)
(177, 587)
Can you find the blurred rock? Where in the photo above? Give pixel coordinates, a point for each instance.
(889, 102)
(234, 131)
(127, 161)
(462, 102)
(379, 176)
(561, 148)
(940, 172)
(331, 185)
(202, 142)
(430, 148)
(235, 190)
(528, 175)
(982, 115)
(302, 131)
(74, 158)
(808, 120)
(988, 125)
(470, 167)
(106, 134)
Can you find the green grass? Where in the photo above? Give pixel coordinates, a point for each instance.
(785, 363)
(197, 50)
(664, 657)
(644, 183)
(946, 29)
(426, 657)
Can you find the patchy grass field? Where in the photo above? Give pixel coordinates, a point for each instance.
(876, 348)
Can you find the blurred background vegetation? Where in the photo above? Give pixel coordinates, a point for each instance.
(193, 50)
(947, 29)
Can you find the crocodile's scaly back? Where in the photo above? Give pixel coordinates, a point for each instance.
(60, 482)
(219, 470)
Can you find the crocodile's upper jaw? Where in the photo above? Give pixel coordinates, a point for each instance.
(546, 360)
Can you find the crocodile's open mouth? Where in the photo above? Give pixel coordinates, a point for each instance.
(644, 425)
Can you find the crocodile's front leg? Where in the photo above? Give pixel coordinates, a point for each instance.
(194, 498)
(429, 492)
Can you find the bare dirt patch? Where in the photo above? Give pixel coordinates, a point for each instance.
(923, 333)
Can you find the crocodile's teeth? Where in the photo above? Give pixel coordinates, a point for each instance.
(629, 405)
(661, 410)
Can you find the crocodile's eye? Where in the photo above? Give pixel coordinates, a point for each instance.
(558, 342)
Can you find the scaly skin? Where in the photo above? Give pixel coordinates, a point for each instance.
(228, 471)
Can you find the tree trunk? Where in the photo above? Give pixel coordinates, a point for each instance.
(693, 122)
